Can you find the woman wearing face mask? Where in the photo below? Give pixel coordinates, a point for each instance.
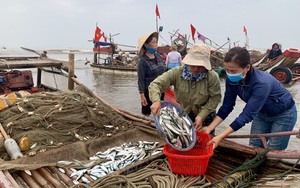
(150, 66)
(268, 103)
(196, 87)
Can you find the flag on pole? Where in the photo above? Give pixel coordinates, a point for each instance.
(245, 30)
(181, 36)
(98, 34)
(157, 11)
(193, 30)
(201, 37)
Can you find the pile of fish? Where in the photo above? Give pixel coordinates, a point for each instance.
(118, 158)
(176, 127)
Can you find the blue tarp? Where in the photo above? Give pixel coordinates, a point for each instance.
(102, 43)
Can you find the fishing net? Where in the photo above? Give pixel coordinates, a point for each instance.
(53, 119)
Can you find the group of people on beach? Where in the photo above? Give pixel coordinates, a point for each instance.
(269, 106)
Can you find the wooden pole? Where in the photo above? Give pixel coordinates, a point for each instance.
(112, 47)
(71, 72)
(287, 133)
(156, 24)
(39, 77)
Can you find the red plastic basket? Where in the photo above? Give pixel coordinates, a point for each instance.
(191, 162)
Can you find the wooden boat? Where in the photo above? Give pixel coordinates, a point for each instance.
(103, 47)
(108, 59)
(283, 68)
(115, 69)
(232, 164)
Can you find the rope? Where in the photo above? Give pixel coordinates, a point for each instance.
(155, 175)
(246, 167)
(272, 179)
(256, 161)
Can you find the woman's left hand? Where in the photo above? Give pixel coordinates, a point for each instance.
(198, 123)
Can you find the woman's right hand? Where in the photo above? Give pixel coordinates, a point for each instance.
(155, 107)
(143, 100)
(206, 129)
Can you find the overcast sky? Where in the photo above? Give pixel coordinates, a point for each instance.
(69, 24)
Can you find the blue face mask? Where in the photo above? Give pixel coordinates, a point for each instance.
(235, 77)
(151, 50)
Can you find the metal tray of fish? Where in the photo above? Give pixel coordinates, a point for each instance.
(176, 126)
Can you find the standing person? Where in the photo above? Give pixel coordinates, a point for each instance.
(196, 86)
(149, 67)
(173, 58)
(275, 52)
(268, 103)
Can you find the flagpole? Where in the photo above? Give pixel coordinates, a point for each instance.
(156, 24)
(247, 42)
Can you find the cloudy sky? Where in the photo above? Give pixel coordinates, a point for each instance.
(70, 24)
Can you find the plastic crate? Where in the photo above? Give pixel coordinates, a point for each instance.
(194, 161)
(158, 127)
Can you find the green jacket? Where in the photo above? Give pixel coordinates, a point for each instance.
(201, 97)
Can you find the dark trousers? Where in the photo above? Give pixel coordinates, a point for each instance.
(207, 121)
(146, 109)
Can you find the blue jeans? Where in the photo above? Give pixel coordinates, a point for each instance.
(272, 124)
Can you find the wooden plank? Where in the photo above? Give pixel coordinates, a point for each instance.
(4, 181)
(63, 177)
(29, 64)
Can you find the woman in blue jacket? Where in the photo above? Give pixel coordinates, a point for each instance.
(269, 105)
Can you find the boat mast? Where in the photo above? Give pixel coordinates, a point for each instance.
(247, 39)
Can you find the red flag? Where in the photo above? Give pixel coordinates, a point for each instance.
(98, 34)
(181, 36)
(245, 30)
(157, 11)
(193, 30)
(201, 37)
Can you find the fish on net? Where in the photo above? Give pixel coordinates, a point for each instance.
(53, 119)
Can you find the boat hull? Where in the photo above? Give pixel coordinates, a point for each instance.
(114, 69)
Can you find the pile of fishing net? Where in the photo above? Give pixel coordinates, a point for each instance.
(53, 119)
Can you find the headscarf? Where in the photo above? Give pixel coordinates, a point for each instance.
(187, 74)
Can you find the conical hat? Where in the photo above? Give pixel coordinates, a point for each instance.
(142, 41)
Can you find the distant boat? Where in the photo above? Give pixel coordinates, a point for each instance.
(284, 68)
(108, 58)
